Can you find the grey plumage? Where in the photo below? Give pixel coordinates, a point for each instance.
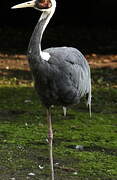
(64, 79)
(61, 75)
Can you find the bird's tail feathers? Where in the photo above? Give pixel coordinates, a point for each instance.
(89, 100)
(89, 106)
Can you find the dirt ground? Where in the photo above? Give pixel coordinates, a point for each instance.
(19, 62)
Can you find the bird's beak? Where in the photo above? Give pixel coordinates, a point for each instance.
(24, 5)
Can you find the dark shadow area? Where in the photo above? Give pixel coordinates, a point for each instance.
(100, 40)
(89, 26)
(84, 12)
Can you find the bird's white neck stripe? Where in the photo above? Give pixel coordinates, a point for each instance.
(46, 16)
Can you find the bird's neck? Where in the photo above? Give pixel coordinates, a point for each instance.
(35, 41)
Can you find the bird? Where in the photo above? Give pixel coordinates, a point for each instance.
(61, 74)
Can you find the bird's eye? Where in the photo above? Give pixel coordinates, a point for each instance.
(44, 4)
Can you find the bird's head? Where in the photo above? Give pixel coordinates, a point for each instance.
(42, 5)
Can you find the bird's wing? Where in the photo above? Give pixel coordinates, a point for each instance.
(74, 66)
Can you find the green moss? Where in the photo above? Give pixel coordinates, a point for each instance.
(23, 133)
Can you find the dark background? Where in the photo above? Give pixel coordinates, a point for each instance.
(91, 12)
(88, 25)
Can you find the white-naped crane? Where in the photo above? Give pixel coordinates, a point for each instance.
(61, 74)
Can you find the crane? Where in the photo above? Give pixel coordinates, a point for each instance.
(61, 74)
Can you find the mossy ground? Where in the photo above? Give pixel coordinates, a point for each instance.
(23, 133)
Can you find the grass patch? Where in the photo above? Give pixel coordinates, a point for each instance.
(23, 133)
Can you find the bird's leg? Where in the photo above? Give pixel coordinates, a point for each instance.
(50, 140)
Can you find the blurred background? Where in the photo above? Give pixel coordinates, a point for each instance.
(88, 25)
